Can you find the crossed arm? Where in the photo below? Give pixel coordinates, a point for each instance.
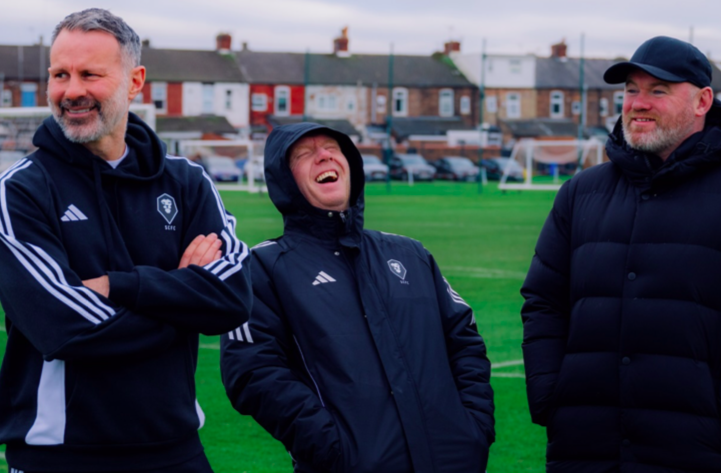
(201, 251)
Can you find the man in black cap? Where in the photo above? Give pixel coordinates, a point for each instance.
(622, 319)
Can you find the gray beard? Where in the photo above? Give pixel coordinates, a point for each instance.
(110, 114)
(660, 141)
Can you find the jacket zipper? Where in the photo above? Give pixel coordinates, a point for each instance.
(302, 357)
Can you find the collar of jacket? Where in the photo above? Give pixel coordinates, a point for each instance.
(329, 227)
(700, 152)
(146, 150)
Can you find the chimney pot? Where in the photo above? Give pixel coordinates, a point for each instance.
(559, 49)
(340, 44)
(451, 47)
(223, 42)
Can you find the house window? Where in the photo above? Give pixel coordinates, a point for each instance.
(229, 99)
(7, 98)
(445, 103)
(159, 96)
(259, 102)
(326, 102)
(138, 98)
(208, 99)
(514, 66)
(556, 104)
(513, 105)
(491, 104)
(282, 100)
(465, 105)
(576, 107)
(350, 104)
(617, 103)
(400, 102)
(28, 94)
(603, 107)
(381, 104)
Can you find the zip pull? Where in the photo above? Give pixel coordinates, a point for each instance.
(342, 216)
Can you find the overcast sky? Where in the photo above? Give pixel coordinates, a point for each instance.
(612, 28)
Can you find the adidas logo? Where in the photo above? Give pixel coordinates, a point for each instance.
(73, 214)
(322, 278)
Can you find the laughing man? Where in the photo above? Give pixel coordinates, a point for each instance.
(359, 356)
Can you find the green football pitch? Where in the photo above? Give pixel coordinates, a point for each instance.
(483, 242)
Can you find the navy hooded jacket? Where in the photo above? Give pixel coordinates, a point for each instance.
(622, 320)
(90, 383)
(359, 357)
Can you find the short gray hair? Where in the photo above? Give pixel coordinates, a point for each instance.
(97, 19)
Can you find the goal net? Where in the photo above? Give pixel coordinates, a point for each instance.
(221, 159)
(18, 125)
(543, 161)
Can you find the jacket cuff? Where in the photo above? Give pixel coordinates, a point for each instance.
(124, 288)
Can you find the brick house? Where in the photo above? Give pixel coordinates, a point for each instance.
(195, 82)
(276, 84)
(509, 84)
(24, 75)
(354, 87)
(521, 87)
(558, 89)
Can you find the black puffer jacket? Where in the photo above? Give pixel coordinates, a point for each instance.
(622, 320)
(358, 356)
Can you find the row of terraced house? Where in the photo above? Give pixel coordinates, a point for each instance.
(226, 91)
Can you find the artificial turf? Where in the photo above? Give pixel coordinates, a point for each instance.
(483, 242)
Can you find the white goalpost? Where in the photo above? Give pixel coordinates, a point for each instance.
(197, 150)
(529, 153)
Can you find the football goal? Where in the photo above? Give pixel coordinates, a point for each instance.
(544, 157)
(232, 164)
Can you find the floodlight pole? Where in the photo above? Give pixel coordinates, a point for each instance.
(389, 121)
(306, 81)
(582, 97)
(481, 97)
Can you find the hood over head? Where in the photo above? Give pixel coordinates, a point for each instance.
(282, 188)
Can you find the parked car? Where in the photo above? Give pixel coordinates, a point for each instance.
(373, 168)
(456, 168)
(402, 165)
(495, 166)
(221, 168)
(8, 158)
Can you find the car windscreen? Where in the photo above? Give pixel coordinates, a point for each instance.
(412, 160)
(460, 162)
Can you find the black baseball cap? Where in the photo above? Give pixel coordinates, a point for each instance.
(665, 58)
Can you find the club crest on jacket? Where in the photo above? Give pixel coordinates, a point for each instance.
(397, 268)
(167, 208)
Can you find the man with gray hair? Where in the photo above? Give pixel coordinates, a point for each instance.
(114, 258)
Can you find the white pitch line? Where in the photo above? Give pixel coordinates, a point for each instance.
(483, 273)
(209, 346)
(508, 375)
(2, 455)
(504, 364)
